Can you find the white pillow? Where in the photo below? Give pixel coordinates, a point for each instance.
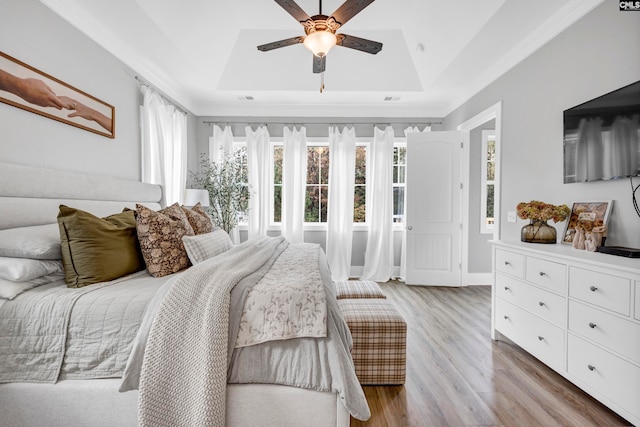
(25, 269)
(10, 289)
(36, 242)
(204, 246)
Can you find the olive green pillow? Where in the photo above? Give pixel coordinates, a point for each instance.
(98, 249)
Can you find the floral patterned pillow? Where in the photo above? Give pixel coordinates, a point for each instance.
(160, 235)
(199, 219)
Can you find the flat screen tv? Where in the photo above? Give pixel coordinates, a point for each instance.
(601, 137)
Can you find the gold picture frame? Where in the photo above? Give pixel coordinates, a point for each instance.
(28, 88)
(588, 215)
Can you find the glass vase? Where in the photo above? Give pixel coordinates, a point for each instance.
(538, 232)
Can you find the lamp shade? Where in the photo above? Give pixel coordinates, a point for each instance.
(194, 195)
(320, 42)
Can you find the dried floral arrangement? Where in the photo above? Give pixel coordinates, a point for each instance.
(541, 211)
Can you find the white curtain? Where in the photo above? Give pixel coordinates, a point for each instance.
(378, 257)
(294, 180)
(589, 150)
(220, 143)
(164, 146)
(258, 158)
(620, 148)
(342, 163)
(403, 248)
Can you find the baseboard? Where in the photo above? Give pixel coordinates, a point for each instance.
(477, 279)
(355, 272)
(468, 279)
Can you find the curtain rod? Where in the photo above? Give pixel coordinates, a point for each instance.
(143, 82)
(407, 122)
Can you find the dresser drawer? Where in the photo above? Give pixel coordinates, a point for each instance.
(510, 263)
(608, 330)
(538, 337)
(604, 373)
(549, 306)
(551, 275)
(603, 290)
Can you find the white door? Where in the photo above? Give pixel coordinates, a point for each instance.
(433, 215)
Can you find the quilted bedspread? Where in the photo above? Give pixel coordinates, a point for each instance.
(53, 332)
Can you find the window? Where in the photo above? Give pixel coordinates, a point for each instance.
(240, 153)
(399, 171)
(360, 190)
(317, 192)
(278, 152)
(317, 195)
(488, 171)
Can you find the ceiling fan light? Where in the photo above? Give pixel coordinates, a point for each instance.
(320, 42)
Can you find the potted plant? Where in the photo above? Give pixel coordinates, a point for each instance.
(227, 183)
(538, 213)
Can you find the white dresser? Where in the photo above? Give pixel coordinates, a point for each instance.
(578, 312)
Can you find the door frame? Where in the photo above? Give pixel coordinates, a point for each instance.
(494, 112)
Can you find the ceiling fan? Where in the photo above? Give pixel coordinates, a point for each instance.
(321, 30)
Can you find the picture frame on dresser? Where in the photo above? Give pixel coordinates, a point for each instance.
(588, 215)
(30, 89)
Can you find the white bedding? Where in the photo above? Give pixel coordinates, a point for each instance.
(95, 352)
(30, 196)
(66, 333)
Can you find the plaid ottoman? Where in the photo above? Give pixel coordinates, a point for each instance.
(379, 340)
(358, 289)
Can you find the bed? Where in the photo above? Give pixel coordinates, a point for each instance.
(118, 385)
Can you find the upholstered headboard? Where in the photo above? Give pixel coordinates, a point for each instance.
(32, 196)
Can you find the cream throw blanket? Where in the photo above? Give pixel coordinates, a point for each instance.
(288, 301)
(174, 390)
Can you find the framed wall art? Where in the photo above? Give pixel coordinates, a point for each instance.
(27, 88)
(586, 215)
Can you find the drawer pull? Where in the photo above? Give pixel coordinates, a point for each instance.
(591, 367)
(592, 325)
(507, 263)
(506, 288)
(541, 304)
(542, 273)
(540, 338)
(506, 317)
(593, 288)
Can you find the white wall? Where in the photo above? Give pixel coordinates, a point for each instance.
(596, 55)
(32, 33)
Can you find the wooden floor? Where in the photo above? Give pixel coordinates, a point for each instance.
(458, 376)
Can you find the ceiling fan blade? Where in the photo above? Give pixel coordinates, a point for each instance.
(319, 64)
(353, 42)
(349, 9)
(294, 10)
(281, 43)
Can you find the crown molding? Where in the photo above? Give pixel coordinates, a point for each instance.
(84, 22)
(571, 12)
